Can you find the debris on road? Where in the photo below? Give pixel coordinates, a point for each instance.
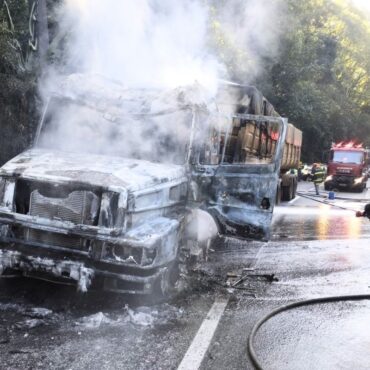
(94, 321)
(38, 312)
(141, 317)
(269, 277)
(234, 279)
(29, 323)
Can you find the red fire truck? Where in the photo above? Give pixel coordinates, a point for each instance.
(347, 167)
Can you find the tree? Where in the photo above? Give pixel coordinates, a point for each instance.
(320, 79)
(18, 86)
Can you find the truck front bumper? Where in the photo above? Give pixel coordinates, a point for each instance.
(90, 267)
(76, 273)
(344, 182)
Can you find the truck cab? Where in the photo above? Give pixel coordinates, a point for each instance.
(121, 184)
(347, 167)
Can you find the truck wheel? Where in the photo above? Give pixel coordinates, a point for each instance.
(174, 279)
(278, 195)
(362, 188)
(327, 187)
(287, 193)
(164, 288)
(295, 185)
(169, 279)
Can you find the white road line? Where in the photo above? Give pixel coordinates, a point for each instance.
(199, 346)
(293, 200)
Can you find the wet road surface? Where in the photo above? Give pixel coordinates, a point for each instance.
(317, 249)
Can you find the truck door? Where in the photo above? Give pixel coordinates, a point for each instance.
(236, 179)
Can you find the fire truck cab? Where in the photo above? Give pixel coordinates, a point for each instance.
(347, 167)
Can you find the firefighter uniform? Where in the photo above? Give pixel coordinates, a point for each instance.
(318, 176)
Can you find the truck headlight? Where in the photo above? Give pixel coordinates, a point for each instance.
(329, 178)
(359, 180)
(127, 254)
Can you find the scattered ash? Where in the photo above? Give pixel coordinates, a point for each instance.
(94, 321)
(232, 268)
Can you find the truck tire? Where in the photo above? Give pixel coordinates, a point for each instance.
(287, 193)
(278, 195)
(361, 189)
(295, 185)
(327, 187)
(164, 288)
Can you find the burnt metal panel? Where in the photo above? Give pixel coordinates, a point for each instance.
(236, 194)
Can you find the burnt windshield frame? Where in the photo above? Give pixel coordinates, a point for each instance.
(259, 120)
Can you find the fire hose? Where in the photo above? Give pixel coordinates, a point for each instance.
(251, 351)
(324, 202)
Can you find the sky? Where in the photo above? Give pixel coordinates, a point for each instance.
(362, 4)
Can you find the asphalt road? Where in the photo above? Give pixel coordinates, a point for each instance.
(317, 249)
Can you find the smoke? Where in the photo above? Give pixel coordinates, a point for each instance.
(151, 44)
(97, 116)
(142, 43)
(166, 43)
(250, 33)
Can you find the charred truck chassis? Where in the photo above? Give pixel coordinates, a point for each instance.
(121, 238)
(81, 238)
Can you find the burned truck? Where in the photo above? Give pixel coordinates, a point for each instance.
(123, 184)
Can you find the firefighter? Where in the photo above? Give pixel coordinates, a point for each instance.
(365, 213)
(318, 176)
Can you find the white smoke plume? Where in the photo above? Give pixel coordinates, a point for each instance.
(166, 43)
(250, 31)
(161, 44)
(142, 43)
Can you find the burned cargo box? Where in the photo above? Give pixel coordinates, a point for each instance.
(122, 184)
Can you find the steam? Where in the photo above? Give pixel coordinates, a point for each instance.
(166, 43)
(149, 44)
(249, 32)
(127, 123)
(142, 43)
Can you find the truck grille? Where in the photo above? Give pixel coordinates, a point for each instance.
(54, 239)
(344, 179)
(79, 207)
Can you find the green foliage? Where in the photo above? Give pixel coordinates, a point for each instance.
(17, 85)
(321, 80)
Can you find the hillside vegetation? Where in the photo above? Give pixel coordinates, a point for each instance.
(320, 78)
